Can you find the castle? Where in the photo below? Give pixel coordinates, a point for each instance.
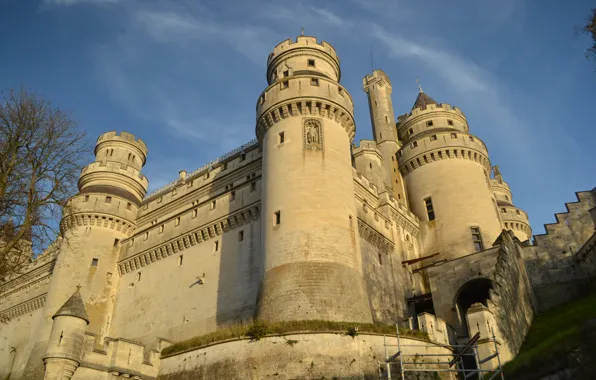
(414, 227)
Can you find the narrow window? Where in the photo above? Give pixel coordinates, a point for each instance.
(311, 62)
(276, 218)
(411, 131)
(116, 241)
(180, 258)
(506, 198)
(449, 122)
(414, 144)
(314, 82)
(286, 73)
(428, 203)
(132, 242)
(243, 157)
(503, 211)
(429, 123)
(281, 137)
(386, 119)
(253, 186)
(94, 262)
(213, 204)
(111, 152)
(216, 246)
(129, 156)
(177, 221)
(108, 199)
(285, 84)
(206, 176)
(519, 213)
(454, 135)
(433, 137)
(139, 276)
(86, 198)
(241, 236)
(195, 212)
(477, 238)
(392, 158)
(471, 138)
(380, 259)
(376, 103)
(370, 166)
(232, 195)
(129, 206)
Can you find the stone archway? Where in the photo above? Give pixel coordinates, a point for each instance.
(473, 291)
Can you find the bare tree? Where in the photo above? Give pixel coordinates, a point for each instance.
(590, 28)
(40, 161)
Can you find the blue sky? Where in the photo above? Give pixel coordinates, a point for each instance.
(185, 75)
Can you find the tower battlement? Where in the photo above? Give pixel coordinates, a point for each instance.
(302, 42)
(122, 137)
(375, 77)
(303, 56)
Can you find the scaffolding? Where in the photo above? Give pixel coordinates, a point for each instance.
(460, 351)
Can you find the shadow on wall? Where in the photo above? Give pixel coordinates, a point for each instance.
(239, 247)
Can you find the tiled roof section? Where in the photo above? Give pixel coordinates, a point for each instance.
(423, 100)
(74, 307)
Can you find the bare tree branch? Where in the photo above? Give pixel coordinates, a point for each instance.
(40, 160)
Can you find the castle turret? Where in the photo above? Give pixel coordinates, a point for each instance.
(446, 170)
(94, 223)
(305, 126)
(66, 343)
(512, 217)
(378, 88)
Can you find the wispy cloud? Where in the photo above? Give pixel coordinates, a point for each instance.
(75, 2)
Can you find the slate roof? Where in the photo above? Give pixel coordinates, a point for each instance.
(423, 100)
(74, 307)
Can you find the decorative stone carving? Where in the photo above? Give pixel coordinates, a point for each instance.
(313, 134)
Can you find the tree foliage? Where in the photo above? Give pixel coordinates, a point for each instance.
(40, 161)
(590, 29)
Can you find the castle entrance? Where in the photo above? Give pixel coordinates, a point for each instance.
(474, 291)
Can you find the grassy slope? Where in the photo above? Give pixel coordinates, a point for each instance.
(552, 333)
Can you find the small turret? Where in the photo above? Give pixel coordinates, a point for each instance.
(512, 217)
(66, 343)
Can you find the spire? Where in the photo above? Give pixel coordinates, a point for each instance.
(74, 307)
(302, 31)
(423, 100)
(419, 86)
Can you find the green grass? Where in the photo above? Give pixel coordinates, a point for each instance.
(258, 330)
(552, 333)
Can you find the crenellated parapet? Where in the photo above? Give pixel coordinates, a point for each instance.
(305, 54)
(302, 96)
(366, 147)
(126, 140)
(431, 118)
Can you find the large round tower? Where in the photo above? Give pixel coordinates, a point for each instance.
(305, 126)
(95, 220)
(447, 174)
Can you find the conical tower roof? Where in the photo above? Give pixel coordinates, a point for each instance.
(423, 100)
(74, 307)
